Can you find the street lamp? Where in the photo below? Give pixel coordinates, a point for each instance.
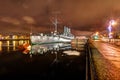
(111, 24)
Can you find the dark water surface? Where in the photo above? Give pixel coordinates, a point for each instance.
(15, 64)
(46, 66)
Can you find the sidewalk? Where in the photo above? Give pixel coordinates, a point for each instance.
(105, 62)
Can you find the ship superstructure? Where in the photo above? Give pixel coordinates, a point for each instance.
(53, 37)
(66, 36)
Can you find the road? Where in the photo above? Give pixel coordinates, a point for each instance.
(106, 60)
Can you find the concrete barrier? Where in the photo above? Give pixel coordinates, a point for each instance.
(92, 74)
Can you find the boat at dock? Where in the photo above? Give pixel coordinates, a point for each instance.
(52, 38)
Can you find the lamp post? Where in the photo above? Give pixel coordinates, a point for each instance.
(111, 24)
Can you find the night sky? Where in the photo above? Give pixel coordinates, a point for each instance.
(79, 15)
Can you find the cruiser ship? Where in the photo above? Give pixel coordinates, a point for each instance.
(54, 37)
(66, 36)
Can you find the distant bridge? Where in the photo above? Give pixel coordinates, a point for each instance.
(12, 39)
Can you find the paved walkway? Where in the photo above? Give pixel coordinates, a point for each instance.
(107, 60)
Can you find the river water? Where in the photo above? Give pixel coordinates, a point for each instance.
(7, 46)
(51, 64)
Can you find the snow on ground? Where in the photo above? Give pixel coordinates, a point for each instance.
(71, 52)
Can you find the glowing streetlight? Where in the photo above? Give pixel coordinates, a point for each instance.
(96, 33)
(111, 23)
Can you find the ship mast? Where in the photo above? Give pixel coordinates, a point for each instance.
(55, 23)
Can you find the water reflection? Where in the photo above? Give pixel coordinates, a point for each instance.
(11, 45)
(41, 49)
(8, 48)
(21, 42)
(0, 46)
(37, 49)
